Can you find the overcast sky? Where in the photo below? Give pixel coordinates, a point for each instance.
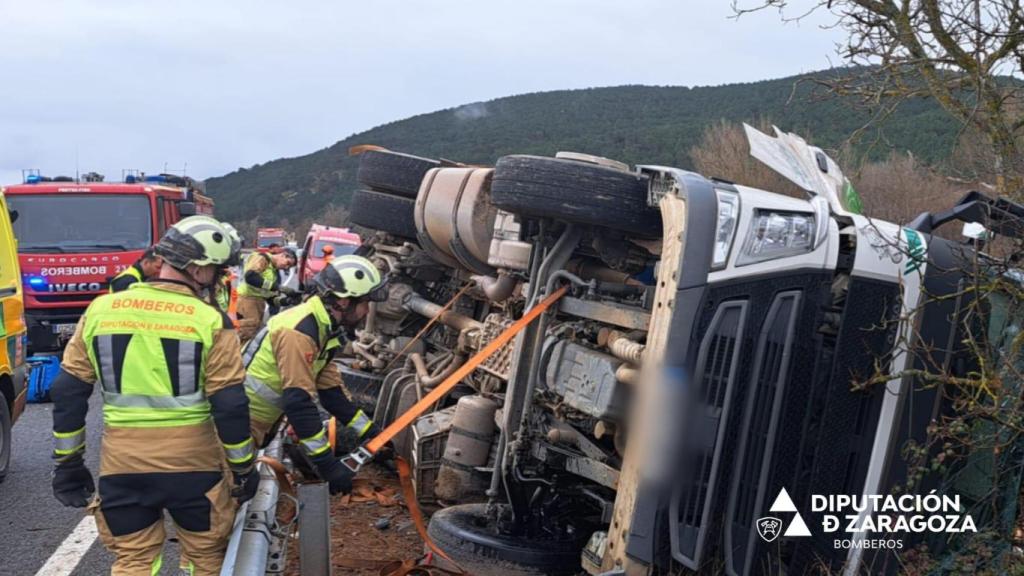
(217, 84)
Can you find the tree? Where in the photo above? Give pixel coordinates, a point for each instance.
(896, 189)
(968, 55)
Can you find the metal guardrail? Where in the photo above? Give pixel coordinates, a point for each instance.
(255, 523)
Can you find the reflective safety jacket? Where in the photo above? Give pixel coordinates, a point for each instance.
(145, 344)
(295, 351)
(169, 373)
(258, 270)
(223, 293)
(126, 278)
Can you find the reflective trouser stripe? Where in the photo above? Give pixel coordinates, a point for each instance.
(316, 444)
(67, 443)
(158, 563)
(266, 393)
(105, 351)
(360, 423)
(155, 402)
(253, 346)
(240, 453)
(187, 367)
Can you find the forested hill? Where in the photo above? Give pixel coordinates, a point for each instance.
(645, 124)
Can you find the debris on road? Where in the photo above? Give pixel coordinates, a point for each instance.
(375, 501)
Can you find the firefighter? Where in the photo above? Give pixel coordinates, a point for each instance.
(260, 284)
(289, 364)
(175, 412)
(146, 267)
(224, 290)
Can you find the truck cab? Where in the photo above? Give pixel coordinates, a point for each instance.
(73, 237)
(323, 242)
(267, 237)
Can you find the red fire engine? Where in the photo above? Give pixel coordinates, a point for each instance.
(73, 237)
(267, 237)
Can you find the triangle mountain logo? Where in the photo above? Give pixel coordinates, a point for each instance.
(769, 527)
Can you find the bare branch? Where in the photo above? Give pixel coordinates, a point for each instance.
(967, 55)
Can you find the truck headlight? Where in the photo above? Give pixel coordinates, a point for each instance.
(774, 234)
(725, 229)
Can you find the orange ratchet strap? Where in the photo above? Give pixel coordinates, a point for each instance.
(409, 493)
(413, 567)
(364, 454)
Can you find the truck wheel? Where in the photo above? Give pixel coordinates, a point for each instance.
(393, 172)
(464, 532)
(574, 191)
(384, 212)
(5, 438)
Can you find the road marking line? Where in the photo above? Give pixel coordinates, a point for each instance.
(66, 558)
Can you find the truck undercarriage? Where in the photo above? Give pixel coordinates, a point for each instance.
(704, 359)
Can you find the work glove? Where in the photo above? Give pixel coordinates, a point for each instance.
(72, 482)
(337, 475)
(386, 454)
(346, 441)
(246, 484)
(283, 300)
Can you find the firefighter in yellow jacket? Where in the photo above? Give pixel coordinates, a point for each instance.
(289, 364)
(223, 291)
(175, 412)
(259, 284)
(146, 267)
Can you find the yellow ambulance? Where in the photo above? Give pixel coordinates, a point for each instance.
(12, 336)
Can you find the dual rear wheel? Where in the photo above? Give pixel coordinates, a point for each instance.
(568, 189)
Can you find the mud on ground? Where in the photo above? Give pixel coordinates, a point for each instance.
(370, 524)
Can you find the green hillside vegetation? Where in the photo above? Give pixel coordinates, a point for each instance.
(645, 124)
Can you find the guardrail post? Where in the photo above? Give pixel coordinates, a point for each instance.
(315, 529)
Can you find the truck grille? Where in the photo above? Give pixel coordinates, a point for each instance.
(760, 426)
(717, 364)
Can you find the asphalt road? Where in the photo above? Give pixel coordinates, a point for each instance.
(32, 523)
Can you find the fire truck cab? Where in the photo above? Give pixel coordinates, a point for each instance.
(267, 237)
(73, 237)
(322, 241)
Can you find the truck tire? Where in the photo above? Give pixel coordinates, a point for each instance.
(384, 212)
(393, 172)
(574, 191)
(463, 532)
(5, 438)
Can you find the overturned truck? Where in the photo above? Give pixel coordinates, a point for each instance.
(705, 359)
